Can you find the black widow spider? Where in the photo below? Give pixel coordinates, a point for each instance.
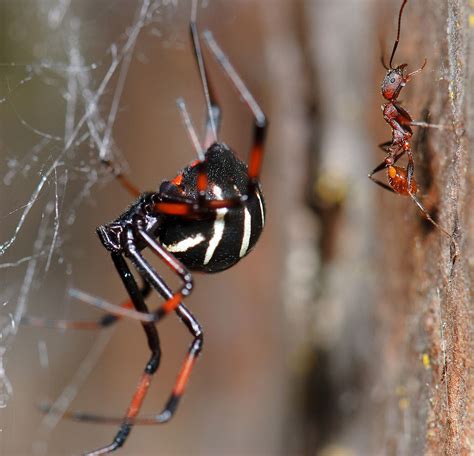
(206, 219)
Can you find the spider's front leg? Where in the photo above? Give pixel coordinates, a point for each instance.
(172, 303)
(151, 366)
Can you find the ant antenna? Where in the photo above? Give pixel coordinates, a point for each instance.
(190, 128)
(395, 45)
(202, 69)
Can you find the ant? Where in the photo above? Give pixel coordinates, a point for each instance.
(401, 180)
(205, 219)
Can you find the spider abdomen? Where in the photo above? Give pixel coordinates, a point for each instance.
(216, 243)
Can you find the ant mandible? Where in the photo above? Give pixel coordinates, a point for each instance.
(401, 180)
(205, 219)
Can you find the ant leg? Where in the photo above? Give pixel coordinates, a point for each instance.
(410, 169)
(428, 125)
(406, 120)
(429, 218)
(105, 321)
(260, 122)
(378, 182)
(387, 147)
(382, 166)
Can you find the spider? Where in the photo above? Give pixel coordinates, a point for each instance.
(205, 219)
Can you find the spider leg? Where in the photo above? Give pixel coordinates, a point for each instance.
(173, 299)
(151, 366)
(214, 113)
(190, 128)
(152, 278)
(124, 181)
(193, 352)
(105, 321)
(130, 419)
(178, 389)
(213, 117)
(197, 208)
(260, 121)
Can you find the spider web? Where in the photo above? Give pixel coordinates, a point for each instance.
(58, 114)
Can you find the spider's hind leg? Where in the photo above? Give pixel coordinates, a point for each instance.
(214, 113)
(260, 121)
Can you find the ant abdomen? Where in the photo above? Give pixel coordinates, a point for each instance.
(398, 180)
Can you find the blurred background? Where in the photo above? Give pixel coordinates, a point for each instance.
(312, 345)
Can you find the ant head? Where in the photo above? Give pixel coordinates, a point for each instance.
(393, 82)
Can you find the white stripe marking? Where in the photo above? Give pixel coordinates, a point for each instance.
(219, 225)
(247, 231)
(185, 244)
(262, 210)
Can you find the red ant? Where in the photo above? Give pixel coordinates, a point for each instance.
(401, 180)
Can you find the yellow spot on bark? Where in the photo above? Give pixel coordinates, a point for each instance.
(400, 390)
(426, 360)
(403, 403)
(336, 450)
(471, 20)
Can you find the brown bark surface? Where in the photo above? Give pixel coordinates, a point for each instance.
(390, 329)
(349, 330)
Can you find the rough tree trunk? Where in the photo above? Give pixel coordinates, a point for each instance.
(390, 328)
(429, 298)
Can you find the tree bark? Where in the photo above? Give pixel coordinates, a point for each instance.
(391, 369)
